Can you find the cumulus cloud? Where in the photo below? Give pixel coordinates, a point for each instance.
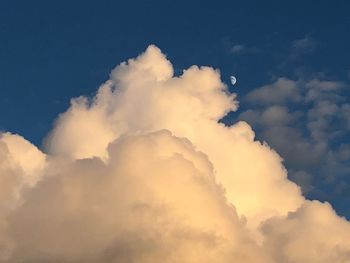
(287, 238)
(21, 165)
(145, 172)
(155, 200)
(315, 118)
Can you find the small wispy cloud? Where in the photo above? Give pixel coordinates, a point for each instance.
(236, 49)
(304, 45)
(239, 49)
(291, 57)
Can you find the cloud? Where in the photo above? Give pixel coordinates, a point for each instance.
(190, 106)
(145, 172)
(242, 49)
(304, 45)
(272, 116)
(280, 91)
(313, 116)
(288, 237)
(323, 89)
(291, 57)
(238, 49)
(21, 164)
(146, 204)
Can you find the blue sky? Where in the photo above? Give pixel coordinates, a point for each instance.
(53, 51)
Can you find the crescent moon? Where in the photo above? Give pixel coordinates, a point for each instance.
(233, 80)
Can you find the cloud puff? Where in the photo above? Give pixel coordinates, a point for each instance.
(155, 200)
(21, 164)
(145, 172)
(315, 227)
(273, 116)
(141, 98)
(315, 118)
(279, 92)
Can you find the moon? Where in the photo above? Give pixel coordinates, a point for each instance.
(233, 80)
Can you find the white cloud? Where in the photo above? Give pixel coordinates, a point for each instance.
(144, 172)
(313, 234)
(155, 200)
(190, 106)
(21, 165)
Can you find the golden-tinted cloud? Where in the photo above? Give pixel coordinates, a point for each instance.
(144, 172)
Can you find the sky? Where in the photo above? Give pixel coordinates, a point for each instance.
(284, 124)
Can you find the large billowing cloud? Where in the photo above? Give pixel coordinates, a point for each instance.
(144, 172)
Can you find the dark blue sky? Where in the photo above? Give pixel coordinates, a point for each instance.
(51, 51)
